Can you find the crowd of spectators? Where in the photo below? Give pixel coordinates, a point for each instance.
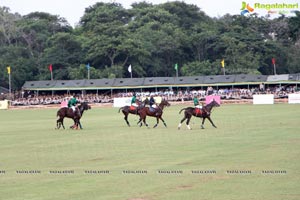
(32, 98)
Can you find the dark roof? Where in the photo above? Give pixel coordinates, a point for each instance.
(4, 90)
(102, 83)
(69, 83)
(39, 84)
(294, 77)
(158, 82)
(219, 79)
(154, 81)
(128, 82)
(242, 78)
(276, 78)
(186, 80)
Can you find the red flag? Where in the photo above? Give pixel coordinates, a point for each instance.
(50, 67)
(273, 61)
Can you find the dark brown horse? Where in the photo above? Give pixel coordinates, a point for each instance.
(126, 110)
(69, 113)
(204, 113)
(153, 112)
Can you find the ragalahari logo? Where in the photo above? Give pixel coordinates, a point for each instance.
(271, 8)
(246, 8)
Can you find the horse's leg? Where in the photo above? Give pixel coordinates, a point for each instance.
(140, 123)
(79, 124)
(62, 122)
(126, 118)
(212, 123)
(188, 121)
(163, 121)
(144, 120)
(157, 121)
(203, 120)
(76, 124)
(73, 126)
(183, 119)
(58, 124)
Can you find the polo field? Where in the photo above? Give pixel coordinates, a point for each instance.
(252, 154)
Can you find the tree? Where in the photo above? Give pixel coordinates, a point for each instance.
(106, 26)
(197, 68)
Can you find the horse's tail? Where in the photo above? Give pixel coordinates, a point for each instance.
(57, 114)
(182, 110)
(120, 109)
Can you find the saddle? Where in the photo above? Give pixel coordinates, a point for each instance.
(132, 107)
(198, 111)
(151, 109)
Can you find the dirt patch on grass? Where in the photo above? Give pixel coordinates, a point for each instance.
(184, 187)
(138, 199)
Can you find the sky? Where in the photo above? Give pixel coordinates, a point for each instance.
(73, 10)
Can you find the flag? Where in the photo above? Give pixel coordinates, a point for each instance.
(273, 61)
(8, 69)
(129, 69)
(223, 63)
(88, 66)
(50, 67)
(176, 67)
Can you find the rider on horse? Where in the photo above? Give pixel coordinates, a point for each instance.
(72, 104)
(133, 104)
(152, 104)
(133, 100)
(199, 108)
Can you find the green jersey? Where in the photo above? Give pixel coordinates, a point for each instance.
(196, 101)
(72, 102)
(133, 100)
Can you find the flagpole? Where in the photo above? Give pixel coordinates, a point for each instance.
(223, 66)
(130, 70)
(88, 69)
(274, 65)
(50, 69)
(176, 68)
(9, 86)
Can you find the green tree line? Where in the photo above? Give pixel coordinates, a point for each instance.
(150, 38)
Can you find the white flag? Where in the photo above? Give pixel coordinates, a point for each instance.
(129, 69)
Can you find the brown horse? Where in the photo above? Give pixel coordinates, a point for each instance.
(153, 112)
(126, 110)
(204, 113)
(69, 113)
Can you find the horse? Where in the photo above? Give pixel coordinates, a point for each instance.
(157, 113)
(126, 110)
(204, 113)
(69, 113)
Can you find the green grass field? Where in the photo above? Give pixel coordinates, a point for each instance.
(249, 139)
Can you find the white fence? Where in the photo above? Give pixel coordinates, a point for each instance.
(263, 99)
(294, 98)
(4, 105)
